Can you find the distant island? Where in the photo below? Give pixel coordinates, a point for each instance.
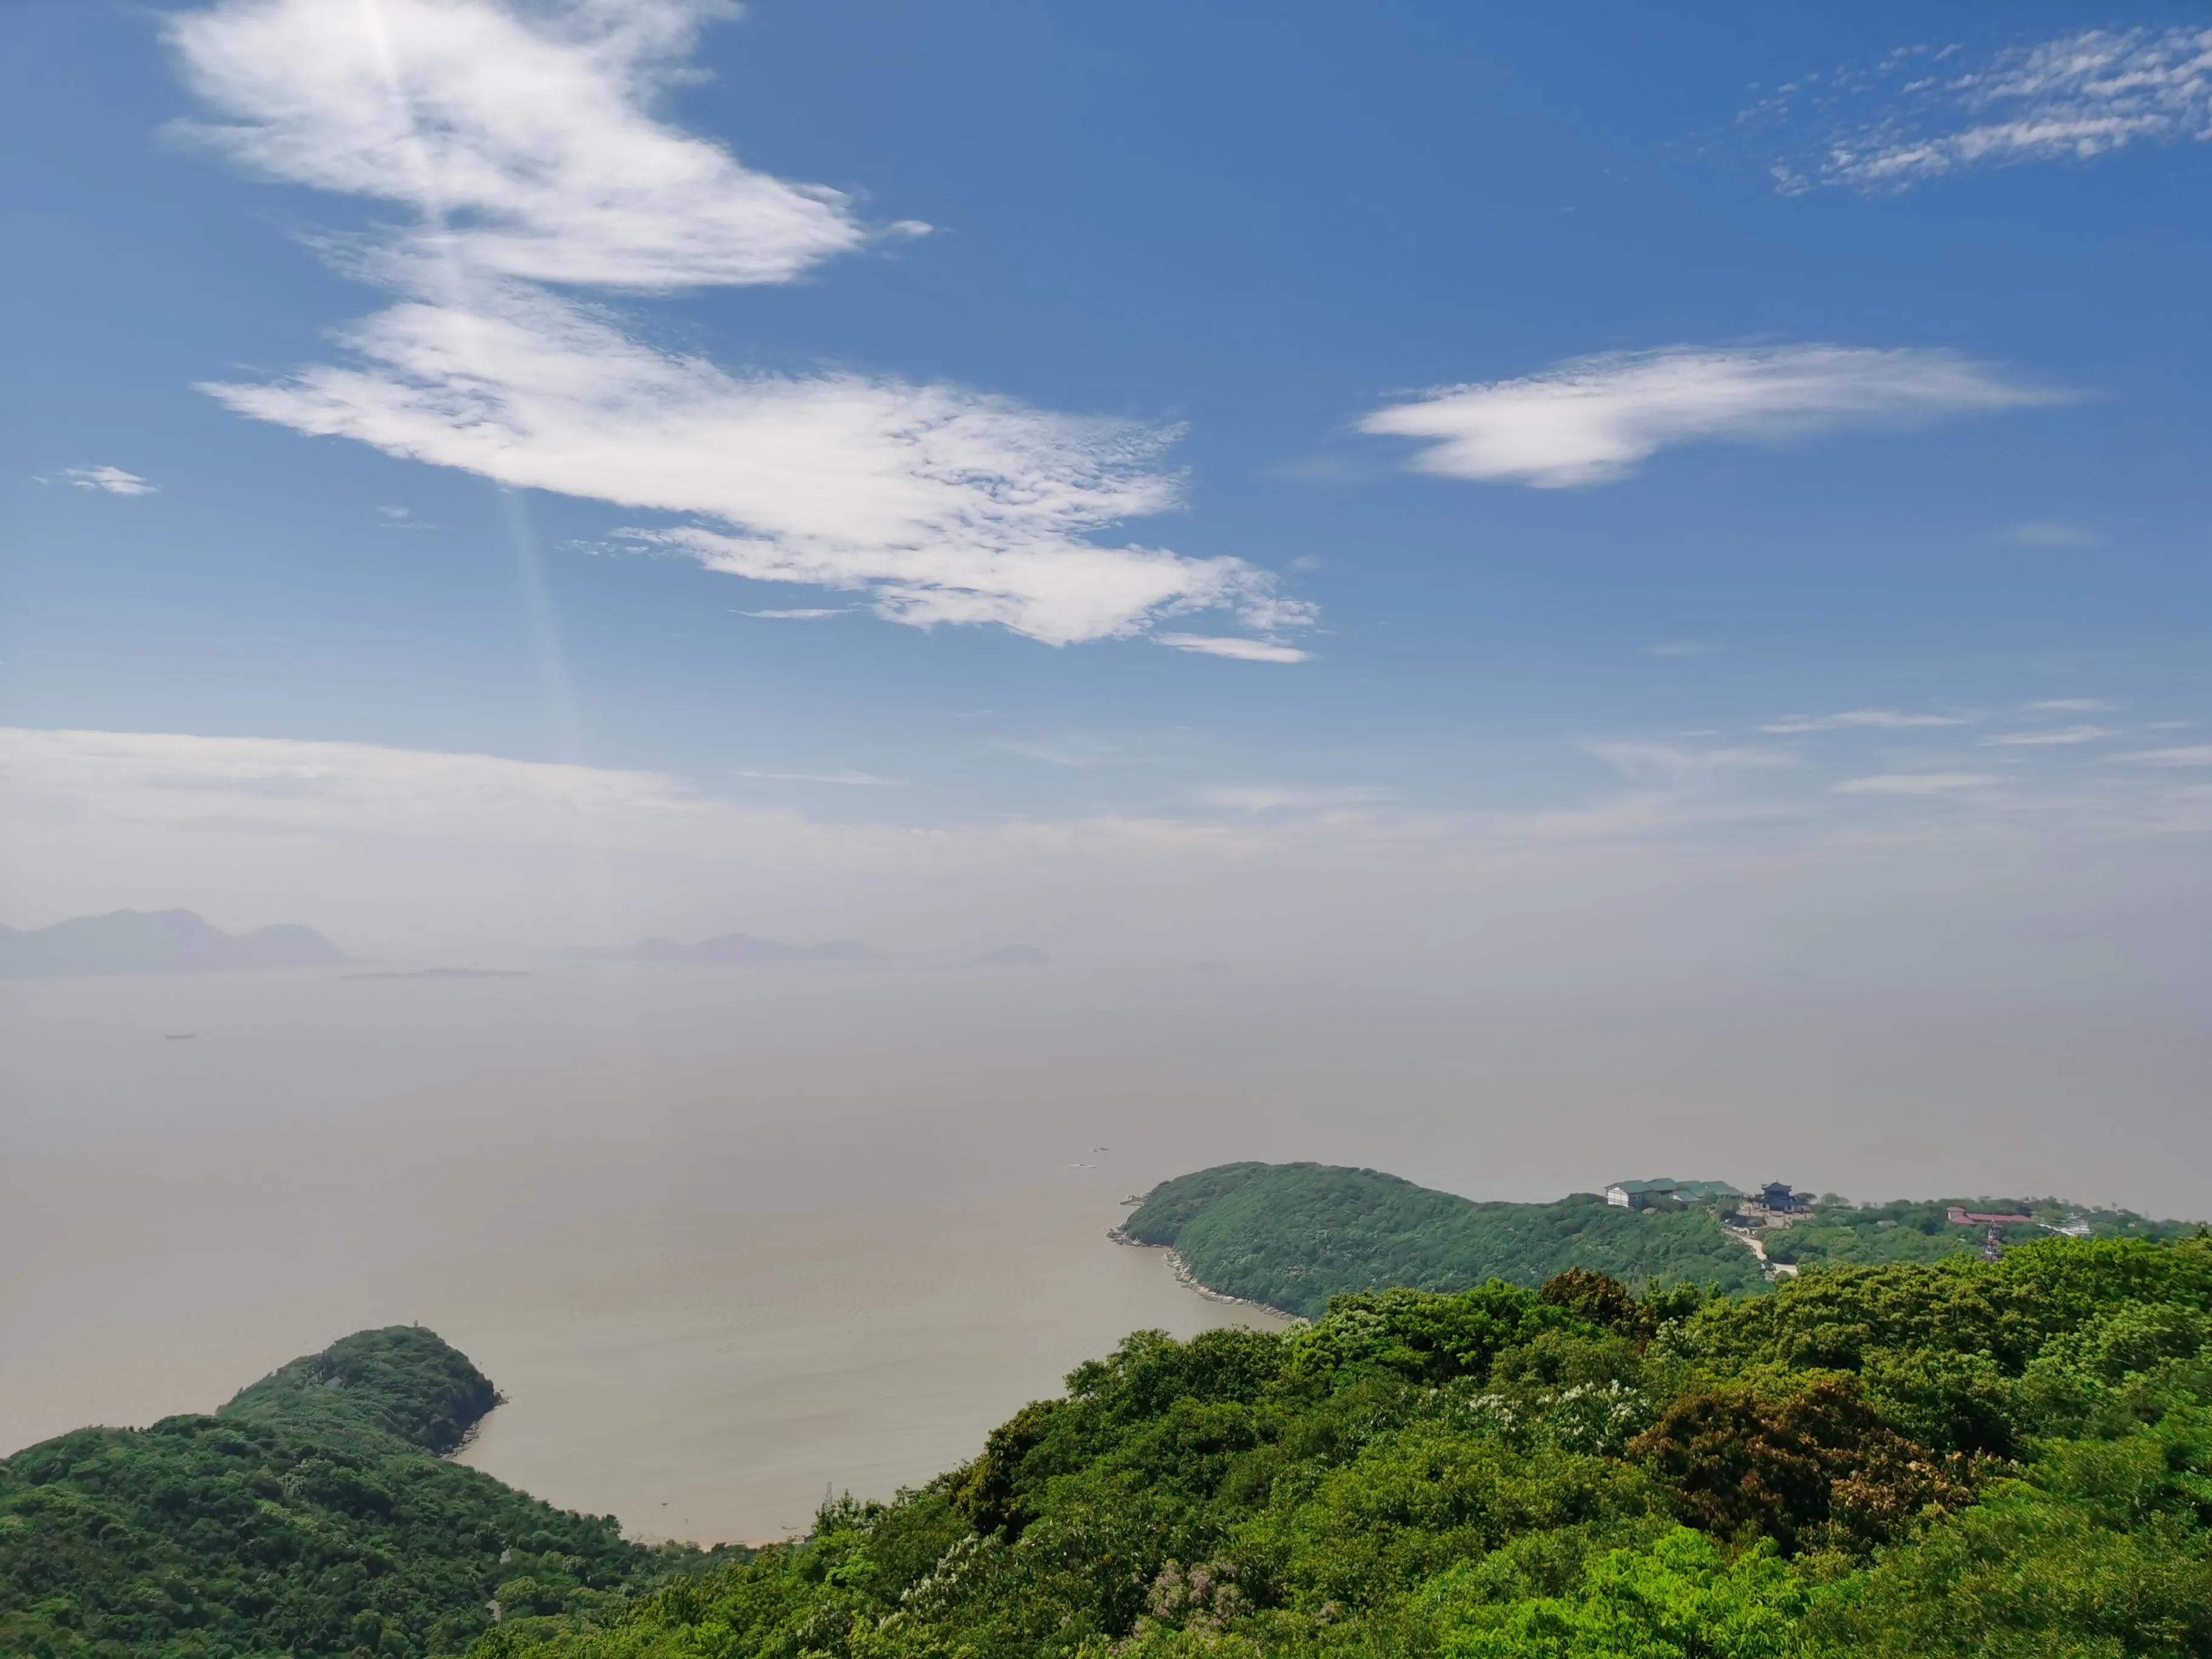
(1291, 1235)
(157, 942)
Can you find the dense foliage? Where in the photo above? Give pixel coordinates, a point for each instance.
(1838, 1234)
(402, 1381)
(308, 1516)
(1292, 1235)
(1916, 1460)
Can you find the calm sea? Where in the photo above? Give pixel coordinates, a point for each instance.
(730, 1239)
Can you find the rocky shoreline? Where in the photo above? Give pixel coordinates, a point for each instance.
(1190, 1280)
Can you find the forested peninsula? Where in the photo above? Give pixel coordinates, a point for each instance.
(1292, 1235)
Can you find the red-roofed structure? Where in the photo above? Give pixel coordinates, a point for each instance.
(1963, 1218)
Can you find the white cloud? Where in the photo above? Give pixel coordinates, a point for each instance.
(1594, 420)
(1916, 783)
(1239, 650)
(2073, 705)
(1680, 648)
(808, 613)
(854, 779)
(2079, 96)
(2192, 755)
(1853, 720)
(2063, 734)
(525, 142)
(113, 480)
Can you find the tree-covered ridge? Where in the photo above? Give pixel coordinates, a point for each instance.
(1910, 1461)
(307, 1517)
(1292, 1235)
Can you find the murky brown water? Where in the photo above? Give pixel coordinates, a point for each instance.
(727, 1239)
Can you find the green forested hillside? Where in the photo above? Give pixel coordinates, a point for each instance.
(1294, 1234)
(308, 1516)
(1956, 1459)
(1867, 1235)
(2007, 1460)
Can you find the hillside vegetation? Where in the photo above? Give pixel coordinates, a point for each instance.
(1292, 1235)
(1865, 1235)
(1955, 1460)
(2009, 1461)
(309, 1516)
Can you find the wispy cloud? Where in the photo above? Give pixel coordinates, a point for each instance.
(402, 517)
(2059, 735)
(2192, 755)
(806, 613)
(111, 480)
(2073, 706)
(1858, 720)
(1240, 650)
(525, 142)
(853, 779)
(1916, 783)
(1680, 648)
(1594, 420)
(2074, 97)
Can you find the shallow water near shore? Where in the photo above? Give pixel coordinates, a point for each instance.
(730, 1239)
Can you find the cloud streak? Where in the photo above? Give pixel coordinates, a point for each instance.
(2076, 97)
(526, 146)
(1916, 783)
(1861, 719)
(1235, 649)
(2057, 735)
(1595, 420)
(109, 480)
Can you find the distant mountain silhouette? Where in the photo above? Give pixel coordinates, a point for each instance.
(157, 942)
(743, 947)
(1014, 956)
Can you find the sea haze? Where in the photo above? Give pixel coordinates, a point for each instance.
(727, 1236)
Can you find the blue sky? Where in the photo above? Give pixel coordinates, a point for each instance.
(1281, 435)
